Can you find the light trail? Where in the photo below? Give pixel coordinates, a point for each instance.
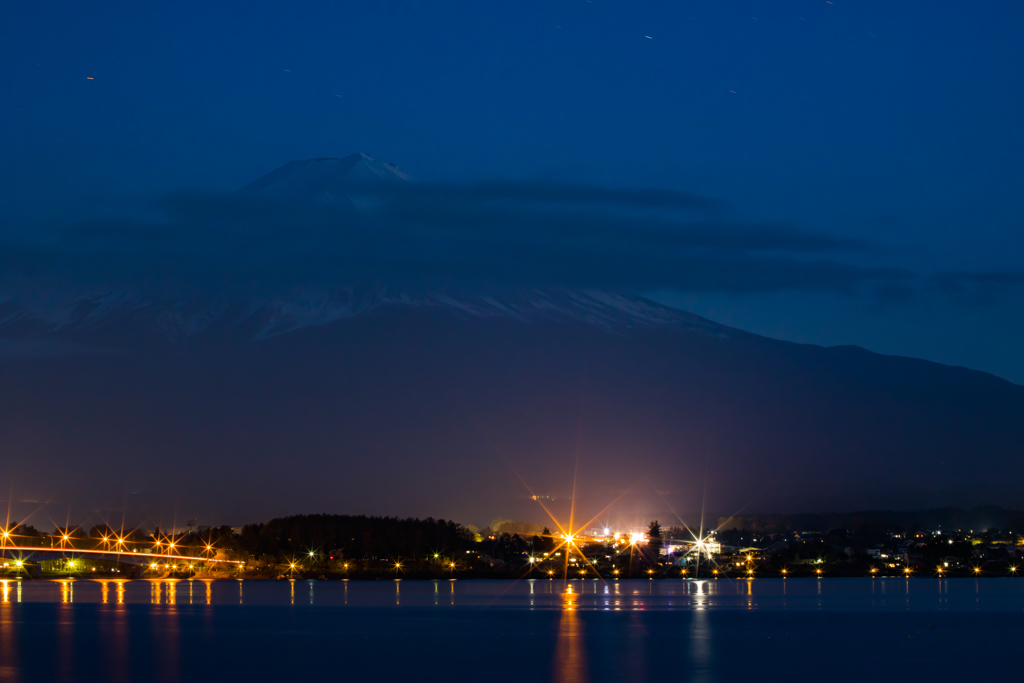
(79, 551)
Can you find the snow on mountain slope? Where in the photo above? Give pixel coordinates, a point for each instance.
(261, 317)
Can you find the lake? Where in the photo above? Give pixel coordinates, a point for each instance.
(685, 630)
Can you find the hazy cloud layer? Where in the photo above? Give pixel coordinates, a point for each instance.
(508, 233)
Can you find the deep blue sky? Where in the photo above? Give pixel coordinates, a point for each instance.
(896, 124)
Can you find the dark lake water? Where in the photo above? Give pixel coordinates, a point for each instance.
(765, 630)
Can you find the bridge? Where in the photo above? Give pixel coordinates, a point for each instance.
(28, 557)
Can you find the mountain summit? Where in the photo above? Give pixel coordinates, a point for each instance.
(325, 181)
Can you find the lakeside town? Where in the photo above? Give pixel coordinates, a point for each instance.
(359, 547)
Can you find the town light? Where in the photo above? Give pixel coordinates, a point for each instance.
(635, 538)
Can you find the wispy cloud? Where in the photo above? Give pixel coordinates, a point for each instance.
(529, 233)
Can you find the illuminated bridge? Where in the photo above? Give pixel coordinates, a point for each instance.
(27, 557)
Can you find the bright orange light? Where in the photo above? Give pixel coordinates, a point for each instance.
(635, 539)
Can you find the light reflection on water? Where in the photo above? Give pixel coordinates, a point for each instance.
(570, 663)
(689, 594)
(577, 631)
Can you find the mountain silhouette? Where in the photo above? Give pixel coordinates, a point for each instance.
(463, 401)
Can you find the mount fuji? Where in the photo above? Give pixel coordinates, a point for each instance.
(396, 394)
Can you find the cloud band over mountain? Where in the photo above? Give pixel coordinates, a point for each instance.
(535, 233)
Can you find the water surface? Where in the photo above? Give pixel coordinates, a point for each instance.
(839, 629)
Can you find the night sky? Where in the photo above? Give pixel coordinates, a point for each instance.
(896, 125)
